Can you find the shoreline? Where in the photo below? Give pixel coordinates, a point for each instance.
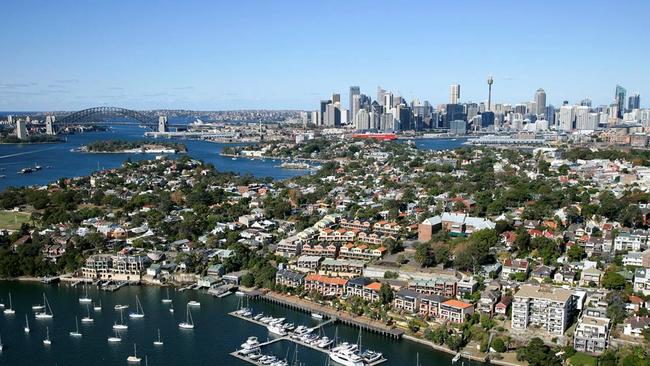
(280, 299)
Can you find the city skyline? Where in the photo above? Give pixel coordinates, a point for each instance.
(208, 56)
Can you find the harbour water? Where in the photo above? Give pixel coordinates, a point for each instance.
(59, 162)
(216, 333)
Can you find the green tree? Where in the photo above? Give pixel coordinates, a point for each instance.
(386, 294)
(613, 281)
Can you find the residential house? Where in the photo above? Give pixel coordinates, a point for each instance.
(455, 311)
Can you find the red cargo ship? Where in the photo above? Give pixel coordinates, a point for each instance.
(376, 136)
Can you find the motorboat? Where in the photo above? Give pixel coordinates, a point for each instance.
(277, 330)
(252, 345)
(194, 303)
(346, 358)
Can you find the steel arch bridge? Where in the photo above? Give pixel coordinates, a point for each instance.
(98, 115)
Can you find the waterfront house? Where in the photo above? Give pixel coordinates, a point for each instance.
(342, 267)
(216, 270)
(234, 278)
(455, 311)
(288, 278)
(309, 263)
(443, 285)
(356, 286)
(326, 286)
(488, 300)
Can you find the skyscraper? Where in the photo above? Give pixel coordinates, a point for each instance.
(354, 90)
(634, 101)
(540, 100)
(21, 129)
(336, 98)
(356, 106)
(619, 99)
(567, 116)
(490, 81)
(454, 91)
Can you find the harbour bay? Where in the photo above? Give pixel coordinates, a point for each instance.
(216, 333)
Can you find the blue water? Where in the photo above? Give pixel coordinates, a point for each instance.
(64, 163)
(216, 334)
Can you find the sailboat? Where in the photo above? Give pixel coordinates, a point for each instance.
(76, 332)
(189, 322)
(26, 324)
(139, 311)
(121, 325)
(87, 319)
(158, 342)
(171, 309)
(98, 307)
(134, 358)
(85, 298)
(1, 345)
(47, 340)
(167, 300)
(10, 310)
(47, 310)
(116, 338)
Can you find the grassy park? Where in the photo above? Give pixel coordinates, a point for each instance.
(10, 220)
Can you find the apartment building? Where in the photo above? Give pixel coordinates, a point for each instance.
(591, 334)
(361, 252)
(634, 241)
(342, 267)
(642, 280)
(115, 267)
(288, 278)
(438, 285)
(549, 308)
(327, 251)
(326, 286)
(455, 311)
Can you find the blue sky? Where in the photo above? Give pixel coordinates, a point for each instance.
(71, 54)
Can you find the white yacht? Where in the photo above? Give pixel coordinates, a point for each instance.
(252, 345)
(121, 325)
(139, 311)
(75, 333)
(276, 329)
(194, 303)
(85, 299)
(87, 318)
(115, 338)
(120, 307)
(189, 322)
(167, 300)
(98, 307)
(26, 324)
(47, 310)
(346, 358)
(134, 358)
(159, 341)
(47, 340)
(10, 310)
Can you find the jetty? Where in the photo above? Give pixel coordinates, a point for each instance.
(310, 307)
(290, 339)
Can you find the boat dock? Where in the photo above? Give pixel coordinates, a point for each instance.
(287, 338)
(309, 307)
